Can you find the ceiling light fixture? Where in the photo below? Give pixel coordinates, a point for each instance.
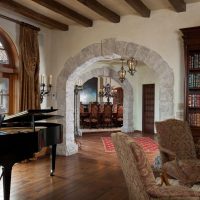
(107, 91)
(131, 63)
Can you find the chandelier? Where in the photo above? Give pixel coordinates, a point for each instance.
(131, 63)
(107, 91)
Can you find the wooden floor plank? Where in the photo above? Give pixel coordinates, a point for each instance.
(88, 175)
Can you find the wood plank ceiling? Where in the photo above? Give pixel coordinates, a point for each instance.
(59, 14)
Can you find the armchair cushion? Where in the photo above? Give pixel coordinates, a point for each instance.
(188, 171)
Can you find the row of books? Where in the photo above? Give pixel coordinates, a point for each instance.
(194, 100)
(194, 80)
(194, 119)
(194, 61)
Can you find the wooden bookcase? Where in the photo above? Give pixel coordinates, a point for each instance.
(191, 37)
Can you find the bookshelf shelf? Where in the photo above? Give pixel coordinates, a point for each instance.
(194, 70)
(191, 38)
(194, 88)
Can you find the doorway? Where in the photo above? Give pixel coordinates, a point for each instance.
(148, 101)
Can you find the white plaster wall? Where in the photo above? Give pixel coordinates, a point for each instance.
(160, 32)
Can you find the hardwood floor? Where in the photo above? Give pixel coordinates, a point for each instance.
(88, 175)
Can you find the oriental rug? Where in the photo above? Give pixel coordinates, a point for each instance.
(149, 146)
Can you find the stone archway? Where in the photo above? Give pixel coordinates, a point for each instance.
(75, 66)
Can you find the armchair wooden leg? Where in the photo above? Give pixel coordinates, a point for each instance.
(164, 178)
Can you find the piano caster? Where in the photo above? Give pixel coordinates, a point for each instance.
(52, 173)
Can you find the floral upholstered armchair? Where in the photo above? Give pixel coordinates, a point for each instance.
(139, 176)
(177, 149)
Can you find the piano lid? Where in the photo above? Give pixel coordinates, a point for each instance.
(32, 115)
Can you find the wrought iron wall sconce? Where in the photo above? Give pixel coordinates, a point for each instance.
(45, 89)
(77, 88)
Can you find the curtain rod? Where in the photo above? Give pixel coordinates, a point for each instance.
(19, 22)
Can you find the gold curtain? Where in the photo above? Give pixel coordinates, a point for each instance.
(29, 68)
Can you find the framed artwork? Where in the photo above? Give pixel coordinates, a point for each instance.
(89, 92)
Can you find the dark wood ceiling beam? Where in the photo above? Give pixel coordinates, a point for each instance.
(101, 10)
(18, 8)
(179, 5)
(65, 11)
(139, 6)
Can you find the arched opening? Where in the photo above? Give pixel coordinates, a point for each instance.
(127, 88)
(112, 49)
(100, 106)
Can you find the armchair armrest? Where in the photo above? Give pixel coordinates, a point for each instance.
(173, 192)
(197, 149)
(169, 153)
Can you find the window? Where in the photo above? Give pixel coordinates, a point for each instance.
(8, 75)
(3, 55)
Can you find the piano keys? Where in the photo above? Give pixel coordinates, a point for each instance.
(21, 136)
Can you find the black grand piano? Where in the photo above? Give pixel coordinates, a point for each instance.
(21, 135)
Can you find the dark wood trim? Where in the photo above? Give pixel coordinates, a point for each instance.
(178, 5)
(139, 7)
(148, 111)
(18, 8)
(9, 51)
(101, 10)
(191, 39)
(66, 12)
(12, 91)
(19, 22)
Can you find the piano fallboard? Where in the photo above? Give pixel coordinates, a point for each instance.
(16, 146)
(20, 139)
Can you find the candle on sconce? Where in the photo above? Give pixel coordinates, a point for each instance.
(45, 86)
(79, 82)
(50, 79)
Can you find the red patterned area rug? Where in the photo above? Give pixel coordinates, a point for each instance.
(149, 146)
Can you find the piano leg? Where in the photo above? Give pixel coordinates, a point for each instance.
(53, 159)
(7, 170)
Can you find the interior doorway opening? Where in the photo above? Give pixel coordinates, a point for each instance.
(101, 104)
(148, 103)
